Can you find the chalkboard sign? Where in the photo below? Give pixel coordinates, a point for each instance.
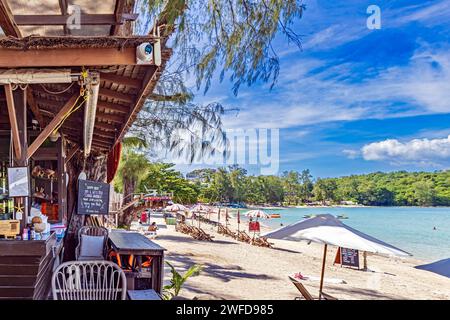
(93, 197)
(349, 257)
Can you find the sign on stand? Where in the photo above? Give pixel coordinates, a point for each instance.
(347, 257)
(93, 197)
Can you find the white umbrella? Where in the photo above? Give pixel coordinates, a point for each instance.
(200, 208)
(328, 230)
(175, 208)
(257, 214)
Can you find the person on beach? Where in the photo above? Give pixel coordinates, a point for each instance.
(153, 227)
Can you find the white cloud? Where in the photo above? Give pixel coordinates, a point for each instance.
(420, 151)
(425, 13)
(351, 154)
(422, 87)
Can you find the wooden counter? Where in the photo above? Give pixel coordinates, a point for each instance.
(26, 268)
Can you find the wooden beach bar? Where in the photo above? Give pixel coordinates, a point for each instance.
(71, 85)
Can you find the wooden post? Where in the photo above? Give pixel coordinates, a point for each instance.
(365, 260)
(218, 219)
(323, 270)
(18, 102)
(13, 121)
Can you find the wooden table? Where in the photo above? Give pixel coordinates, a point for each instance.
(136, 244)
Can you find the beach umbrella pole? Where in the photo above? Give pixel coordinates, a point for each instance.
(323, 270)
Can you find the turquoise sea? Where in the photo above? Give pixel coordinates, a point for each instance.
(409, 228)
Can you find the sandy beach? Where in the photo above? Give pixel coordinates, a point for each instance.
(236, 270)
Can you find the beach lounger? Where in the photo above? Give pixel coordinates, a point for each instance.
(204, 235)
(305, 293)
(221, 229)
(244, 237)
(200, 234)
(230, 233)
(261, 242)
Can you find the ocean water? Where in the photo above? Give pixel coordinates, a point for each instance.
(408, 228)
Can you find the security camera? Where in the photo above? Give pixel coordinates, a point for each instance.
(148, 53)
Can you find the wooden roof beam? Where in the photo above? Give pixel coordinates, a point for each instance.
(126, 81)
(9, 26)
(149, 82)
(61, 20)
(77, 123)
(105, 126)
(120, 108)
(109, 141)
(100, 147)
(118, 11)
(99, 114)
(51, 126)
(113, 106)
(34, 107)
(66, 57)
(107, 93)
(110, 117)
(64, 11)
(13, 121)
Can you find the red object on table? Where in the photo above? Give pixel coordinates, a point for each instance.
(254, 226)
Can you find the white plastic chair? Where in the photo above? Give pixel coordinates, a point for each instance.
(89, 280)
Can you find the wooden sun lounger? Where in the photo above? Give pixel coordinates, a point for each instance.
(204, 235)
(244, 237)
(305, 293)
(200, 234)
(221, 229)
(261, 242)
(230, 233)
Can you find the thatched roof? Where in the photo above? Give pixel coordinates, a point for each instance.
(55, 42)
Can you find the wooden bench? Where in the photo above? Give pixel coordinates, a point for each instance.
(149, 294)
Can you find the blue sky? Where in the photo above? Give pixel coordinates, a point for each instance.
(355, 100)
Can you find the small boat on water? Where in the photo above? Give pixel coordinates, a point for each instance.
(307, 216)
(341, 216)
(275, 215)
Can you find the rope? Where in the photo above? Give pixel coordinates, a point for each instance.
(72, 110)
(83, 93)
(57, 92)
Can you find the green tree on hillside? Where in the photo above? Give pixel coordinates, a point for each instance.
(325, 190)
(424, 193)
(306, 186)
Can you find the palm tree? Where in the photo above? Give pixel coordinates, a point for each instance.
(133, 167)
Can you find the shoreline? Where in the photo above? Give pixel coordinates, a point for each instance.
(230, 265)
(254, 207)
(267, 227)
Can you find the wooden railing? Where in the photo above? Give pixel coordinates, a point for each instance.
(124, 203)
